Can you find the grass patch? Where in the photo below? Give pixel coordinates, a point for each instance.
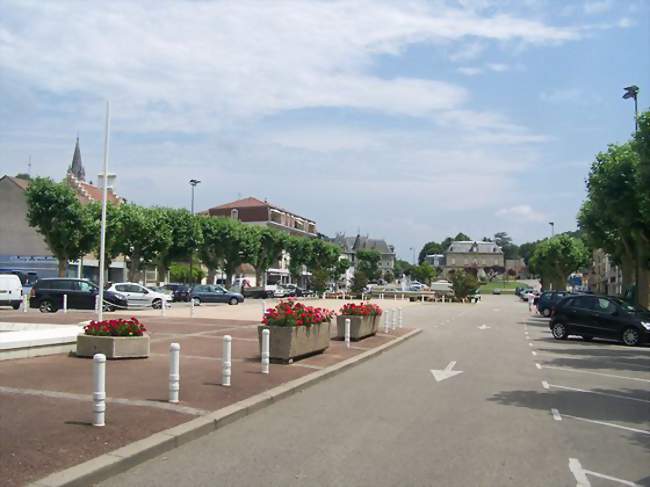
(499, 284)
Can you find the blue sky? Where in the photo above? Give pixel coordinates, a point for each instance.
(411, 120)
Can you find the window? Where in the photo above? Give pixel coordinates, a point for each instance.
(605, 306)
(585, 302)
(122, 288)
(85, 287)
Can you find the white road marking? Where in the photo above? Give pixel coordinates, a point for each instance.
(545, 384)
(580, 474)
(538, 366)
(556, 414)
(595, 373)
(604, 423)
(530, 344)
(483, 327)
(445, 373)
(534, 353)
(618, 396)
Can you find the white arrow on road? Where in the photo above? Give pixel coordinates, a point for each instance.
(446, 373)
(483, 327)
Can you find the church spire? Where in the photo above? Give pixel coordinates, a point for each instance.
(76, 168)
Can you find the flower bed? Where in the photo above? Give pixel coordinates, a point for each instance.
(120, 338)
(296, 330)
(364, 320)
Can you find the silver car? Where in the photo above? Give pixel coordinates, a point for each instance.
(139, 296)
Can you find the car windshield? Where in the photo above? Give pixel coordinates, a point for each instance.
(630, 308)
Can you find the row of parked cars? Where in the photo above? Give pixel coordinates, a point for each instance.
(593, 316)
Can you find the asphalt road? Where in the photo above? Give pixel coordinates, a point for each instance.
(571, 413)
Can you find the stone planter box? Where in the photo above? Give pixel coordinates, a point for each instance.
(360, 326)
(113, 347)
(291, 342)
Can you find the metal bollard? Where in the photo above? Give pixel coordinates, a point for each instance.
(65, 303)
(400, 318)
(191, 308)
(347, 332)
(25, 303)
(387, 321)
(99, 389)
(266, 356)
(174, 372)
(226, 361)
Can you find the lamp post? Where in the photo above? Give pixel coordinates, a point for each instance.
(102, 231)
(193, 183)
(412, 249)
(552, 228)
(632, 92)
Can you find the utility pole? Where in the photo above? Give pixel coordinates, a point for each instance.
(102, 238)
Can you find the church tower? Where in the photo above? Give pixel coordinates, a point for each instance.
(76, 168)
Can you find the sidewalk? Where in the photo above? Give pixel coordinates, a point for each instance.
(46, 405)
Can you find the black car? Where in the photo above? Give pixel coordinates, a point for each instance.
(214, 294)
(547, 301)
(180, 292)
(592, 316)
(47, 295)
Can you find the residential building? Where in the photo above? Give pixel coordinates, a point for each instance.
(435, 260)
(606, 277)
(474, 255)
(253, 211)
(23, 248)
(351, 245)
(518, 266)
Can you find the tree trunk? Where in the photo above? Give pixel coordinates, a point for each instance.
(62, 265)
(212, 272)
(644, 286)
(559, 284)
(628, 271)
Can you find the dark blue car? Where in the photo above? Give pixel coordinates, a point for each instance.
(214, 294)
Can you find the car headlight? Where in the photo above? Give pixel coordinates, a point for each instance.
(646, 325)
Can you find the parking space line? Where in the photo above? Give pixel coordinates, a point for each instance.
(567, 369)
(580, 474)
(617, 396)
(556, 414)
(602, 423)
(538, 366)
(534, 353)
(545, 384)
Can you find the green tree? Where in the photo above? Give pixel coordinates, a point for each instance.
(23, 175)
(464, 284)
(359, 281)
(389, 277)
(402, 267)
(55, 211)
(341, 266)
(211, 251)
(114, 230)
(503, 240)
(271, 246)
(241, 246)
(423, 273)
(556, 258)
(180, 272)
(368, 263)
(526, 250)
(300, 254)
(186, 237)
(428, 249)
(319, 279)
(461, 237)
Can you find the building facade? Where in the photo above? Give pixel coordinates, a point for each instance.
(605, 277)
(351, 245)
(473, 255)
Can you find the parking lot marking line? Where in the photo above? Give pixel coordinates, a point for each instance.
(605, 423)
(530, 344)
(580, 474)
(545, 384)
(595, 373)
(556, 414)
(538, 366)
(618, 396)
(534, 353)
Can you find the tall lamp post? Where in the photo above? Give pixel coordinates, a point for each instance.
(632, 92)
(552, 228)
(412, 249)
(193, 183)
(102, 231)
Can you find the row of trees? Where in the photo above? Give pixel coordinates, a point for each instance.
(615, 215)
(161, 236)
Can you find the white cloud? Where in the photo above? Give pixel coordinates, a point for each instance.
(467, 52)
(597, 7)
(521, 213)
(498, 67)
(470, 71)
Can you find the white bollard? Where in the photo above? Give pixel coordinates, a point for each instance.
(387, 321)
(263, 307)
(347, 332)
(97, 303)
(266, 341)
(99, 389)
(162, 308)
(394, 323)
(174, 372)
(226, 361)
(191, 308)
(400, 318)
(422, 298)
(25, 303)
(65, 303)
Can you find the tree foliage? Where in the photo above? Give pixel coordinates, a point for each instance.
(423, 273)
(464, 284)
(430, 248)
(556, 258)
(368, 263)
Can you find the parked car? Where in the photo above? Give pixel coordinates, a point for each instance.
(11, 290)
(592, 316)
(288, 291)
(523, 294)
(47, 295)
(214, 294)
(548, 300)
(180, 292)
(138, 295)
(258, 292)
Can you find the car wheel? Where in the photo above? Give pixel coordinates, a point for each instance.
(546, 313)
(15, 305)
(47, 306)
(631, 336)
(196, 301)
(560, 331)
(587, 338)
(156, 304)
(108, 308)
(233, 301)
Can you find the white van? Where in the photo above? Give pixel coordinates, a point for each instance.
(11, 290)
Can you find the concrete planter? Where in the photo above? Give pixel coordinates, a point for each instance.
(113, 347)
(290, 342)
(360, 326)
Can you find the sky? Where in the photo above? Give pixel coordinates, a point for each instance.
(408, 120)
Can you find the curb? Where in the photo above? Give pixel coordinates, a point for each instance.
(126, 457)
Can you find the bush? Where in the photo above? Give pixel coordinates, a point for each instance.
(359, 281)
(115, 328)
(464, 284)
(362, 309)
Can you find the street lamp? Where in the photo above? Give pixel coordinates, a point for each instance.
(193, 183)
(632, 92)
(412, 249)
(552, 228)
